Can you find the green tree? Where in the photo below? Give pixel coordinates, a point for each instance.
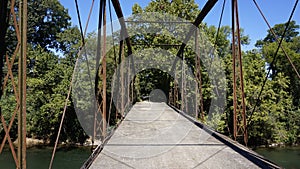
(279, 30)
(270, 119)
(46, 19)
(48, 83)
(291, 43)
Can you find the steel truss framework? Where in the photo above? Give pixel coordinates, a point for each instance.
(21, 96)
(239, 107)
(19, 90)
(19, 87)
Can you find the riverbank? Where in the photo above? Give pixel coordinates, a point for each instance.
(274, 145)
(31, 143)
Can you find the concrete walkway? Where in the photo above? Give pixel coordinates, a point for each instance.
(154, 136)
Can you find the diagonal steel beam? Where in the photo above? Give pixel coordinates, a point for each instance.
(124, 31)
(206, 9)
(3, 28)
(120, 15)
(9, 141)
(9, 67)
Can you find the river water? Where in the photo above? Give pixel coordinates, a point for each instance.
(39, 158)
(287, 157)
(73, 158)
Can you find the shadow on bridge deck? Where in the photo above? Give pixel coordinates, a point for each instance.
(155, 135)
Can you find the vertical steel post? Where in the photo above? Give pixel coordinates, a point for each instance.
(128, 81)
(234, 72)
(196, 75)
(170, 93)
(175, 89)
(131, 98)
(22, 87)
(239, 115)
(182, 83)
(104, 72)
(198, 78)
(122, 77)
(244, 124)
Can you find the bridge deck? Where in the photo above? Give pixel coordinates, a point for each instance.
(153, 135)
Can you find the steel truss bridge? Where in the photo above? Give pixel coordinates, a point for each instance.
(122, 147)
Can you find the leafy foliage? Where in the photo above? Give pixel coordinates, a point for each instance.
(52, 48)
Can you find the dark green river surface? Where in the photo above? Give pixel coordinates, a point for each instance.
(286, 157)
(73, 158)
(39, 158)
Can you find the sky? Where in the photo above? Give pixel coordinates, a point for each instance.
(276, 11)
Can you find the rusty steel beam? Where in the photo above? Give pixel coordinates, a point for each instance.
(196, 72)
(233, 69)
(101, 56)
(10, 75)
(3, 28)
(145, 21)
(22, 87)
(124, 31)
(6, 130)
(4, 22)
(120, 79)
(245, 134)
(20, 93)
(98, 56)
(198, 78)
(120, 15)
(239, 116)
(175, 90)
(125, 35)
(122, 58)
(104, 73)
